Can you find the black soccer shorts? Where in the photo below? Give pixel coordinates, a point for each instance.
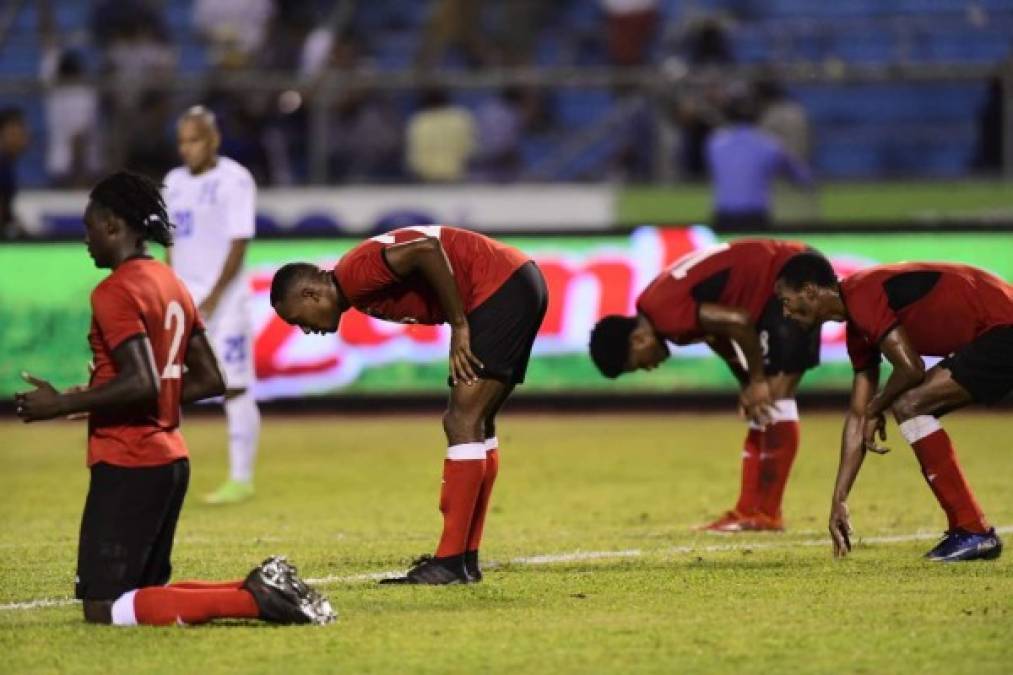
(984, 366)
(127, 528)
(503, 328)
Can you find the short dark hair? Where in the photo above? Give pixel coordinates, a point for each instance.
(286, 277)
(138, 201)
(808, 267)
(610, 344)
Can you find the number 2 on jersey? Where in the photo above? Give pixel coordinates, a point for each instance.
(175, 320)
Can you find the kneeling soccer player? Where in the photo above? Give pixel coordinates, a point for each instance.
(150, 354)
(494, 299)
(905, 311)
(724, 295)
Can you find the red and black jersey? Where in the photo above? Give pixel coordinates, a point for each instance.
(142, 297)
(740, 274)
(941, 306)
(480, 266)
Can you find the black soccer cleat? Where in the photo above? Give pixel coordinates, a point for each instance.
(433, 572)
(282, 597)
(471, 567)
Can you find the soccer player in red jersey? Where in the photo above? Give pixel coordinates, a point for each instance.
(724, 295)
(904, 312)
(150, 354)
(493, 297)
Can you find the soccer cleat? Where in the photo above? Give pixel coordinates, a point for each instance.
(433, 571)
(230, 492)
(471, 568)
(958, 545)
(282, 597)
(733, 521)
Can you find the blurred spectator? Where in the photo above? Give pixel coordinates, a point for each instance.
(110, 19)
(783, 117)
(514, 26)
(440, 138)
(990, 129)
(72, 120)
(706, 43)
(455, 24)
(367, 140)
(743, 161)
(234, 29)
(697, 113)
(71, 108)
(150, 143)
(499, 123)
(13, 141)
(631, 26)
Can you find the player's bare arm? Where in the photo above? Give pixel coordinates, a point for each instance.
(735, 324)
(230, 270)
(136, 383)
(853, 448)
(908, 372)
(426, 256)
(201, 378)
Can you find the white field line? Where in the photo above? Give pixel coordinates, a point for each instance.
(576, 556)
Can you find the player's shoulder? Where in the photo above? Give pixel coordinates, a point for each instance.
(175, 176)
(233, 170)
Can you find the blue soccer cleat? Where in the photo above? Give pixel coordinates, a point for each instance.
(958, 545)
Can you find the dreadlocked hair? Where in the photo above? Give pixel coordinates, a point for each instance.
(138, 201)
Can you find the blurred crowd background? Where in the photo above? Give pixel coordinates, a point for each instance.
(496, 91)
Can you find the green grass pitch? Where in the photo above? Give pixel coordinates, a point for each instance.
(346, 497)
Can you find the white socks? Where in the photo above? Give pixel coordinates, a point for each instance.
(917, 428)
(243, 419)
(464, 451)
(785, 410)
(123, 610)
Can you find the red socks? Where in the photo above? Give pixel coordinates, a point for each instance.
(482, 503)
(463, 474)
(167, 605)
(767, 457)
(780, 445)
(748, 498)
(942, 472)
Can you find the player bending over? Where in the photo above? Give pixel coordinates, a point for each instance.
(904, 312)
(150, 355)
(494, 299)
(724, 295)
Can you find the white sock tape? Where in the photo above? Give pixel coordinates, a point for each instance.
(460, 451)
(491, 443)
(785, 410)
(917, 428)
(123, 610)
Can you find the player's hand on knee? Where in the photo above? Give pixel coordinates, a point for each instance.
(757, 402)
(464, 365)
(875, 425)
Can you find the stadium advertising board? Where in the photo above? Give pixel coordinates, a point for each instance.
(45, 314)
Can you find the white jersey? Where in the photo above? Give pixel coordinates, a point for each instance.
(210, 210)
